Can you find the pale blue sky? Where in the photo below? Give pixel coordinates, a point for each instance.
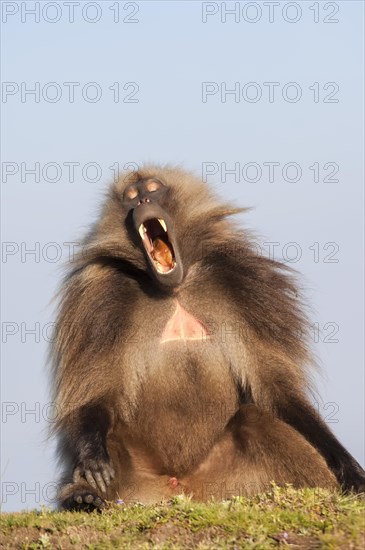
(168, 54)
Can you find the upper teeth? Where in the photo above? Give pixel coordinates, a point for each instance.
(162, 222)
(142, 230)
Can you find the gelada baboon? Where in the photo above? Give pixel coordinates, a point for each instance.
(180, 358)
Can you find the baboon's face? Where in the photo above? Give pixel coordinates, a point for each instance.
(164, 221)
(145, 204)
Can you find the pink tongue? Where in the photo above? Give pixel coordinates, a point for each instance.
(162, 253)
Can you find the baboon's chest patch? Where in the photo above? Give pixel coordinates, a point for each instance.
(183, 326)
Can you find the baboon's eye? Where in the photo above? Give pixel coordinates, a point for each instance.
(131, 193)
(153, 186)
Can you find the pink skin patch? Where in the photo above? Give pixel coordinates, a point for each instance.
(173, 482)
(183, 326)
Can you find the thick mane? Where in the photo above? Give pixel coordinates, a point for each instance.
(263, 291)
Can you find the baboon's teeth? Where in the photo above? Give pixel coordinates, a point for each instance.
(163, 223)
(142, 230)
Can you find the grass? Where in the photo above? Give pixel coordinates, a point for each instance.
(307, 518)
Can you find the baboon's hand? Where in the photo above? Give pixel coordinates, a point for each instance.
(83, 499)
(98, 472)
(352, 477)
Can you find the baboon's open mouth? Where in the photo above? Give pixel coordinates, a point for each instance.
(155, 239)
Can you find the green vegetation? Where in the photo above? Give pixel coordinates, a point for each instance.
(308, 518)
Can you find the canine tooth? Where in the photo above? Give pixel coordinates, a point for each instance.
(142, 230)
(163, 223)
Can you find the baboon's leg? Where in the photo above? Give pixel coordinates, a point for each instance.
(255, 450)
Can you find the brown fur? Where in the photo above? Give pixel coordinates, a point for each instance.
(227, 414)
